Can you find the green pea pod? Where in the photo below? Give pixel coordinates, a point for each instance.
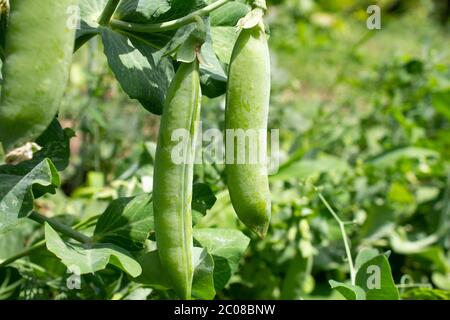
(173, 174)
(247, 108)
(39, 45)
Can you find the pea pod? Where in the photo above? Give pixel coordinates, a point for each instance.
(172, 188)
(39, 45)
(247, 108)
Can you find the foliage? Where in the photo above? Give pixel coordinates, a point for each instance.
(364, 118)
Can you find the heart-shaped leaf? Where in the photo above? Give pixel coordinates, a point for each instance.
(83, 259)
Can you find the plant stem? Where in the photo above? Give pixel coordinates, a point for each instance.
(62, 228)
(86, 223)
(344, 236)
(168, 25)
(23, 253)
(41, 243)
(107, 13)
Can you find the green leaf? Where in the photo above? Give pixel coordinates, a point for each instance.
(139, 294)
(364, 256)
(152, 11)
(226, 247)
(183, 43)
(89, 259)
(142, 72)
(212, 76)
(399, 193)
(194, 36)
(349, 291)
(13, 240)
(375, 277)
(20, 187)
(203, 281)
(380, 222)
(49, 266)
(154, 275)
(126, 222)
(223, 39)
(55, 144)
(203, 198)
(298, 281)
(390, 158)
(229, 14)
(400, 244)
(441, 102)
(305, 168)
(442, 281)
(436, 256)
(90, 11)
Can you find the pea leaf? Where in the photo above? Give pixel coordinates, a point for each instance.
(212, 76)
(441, 280)
(203, 198)
(126, 222)
(152, 11)
(402, 245)
(441, 101)
(223, 28)
(223, 39)
(141, 71)
(226, 247)
(154, 275)
(229, 14)
(431, 258)
(349, 291)
(147, 11)
(83, 260)
(20, 187)
(390, 158)
(380, 222)
(298, 281)
(365, 255)
(12, 241)
(307, 167)
(203, 282)
(90, 11)
(375, 277)
(55, 145)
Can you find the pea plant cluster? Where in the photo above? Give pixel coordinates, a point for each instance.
(162, 54)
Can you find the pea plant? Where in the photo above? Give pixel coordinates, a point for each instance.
(163, 56)
(167, 55)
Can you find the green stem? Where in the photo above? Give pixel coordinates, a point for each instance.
(168, 25)
(86, 223)
(41, 243)
(23, 253)
(107, 13)
(344, 236)
(62, 228)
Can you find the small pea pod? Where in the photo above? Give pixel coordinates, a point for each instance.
(39, 44)
(247, 108)
(173, 174)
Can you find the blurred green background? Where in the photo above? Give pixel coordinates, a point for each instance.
(364, 118)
